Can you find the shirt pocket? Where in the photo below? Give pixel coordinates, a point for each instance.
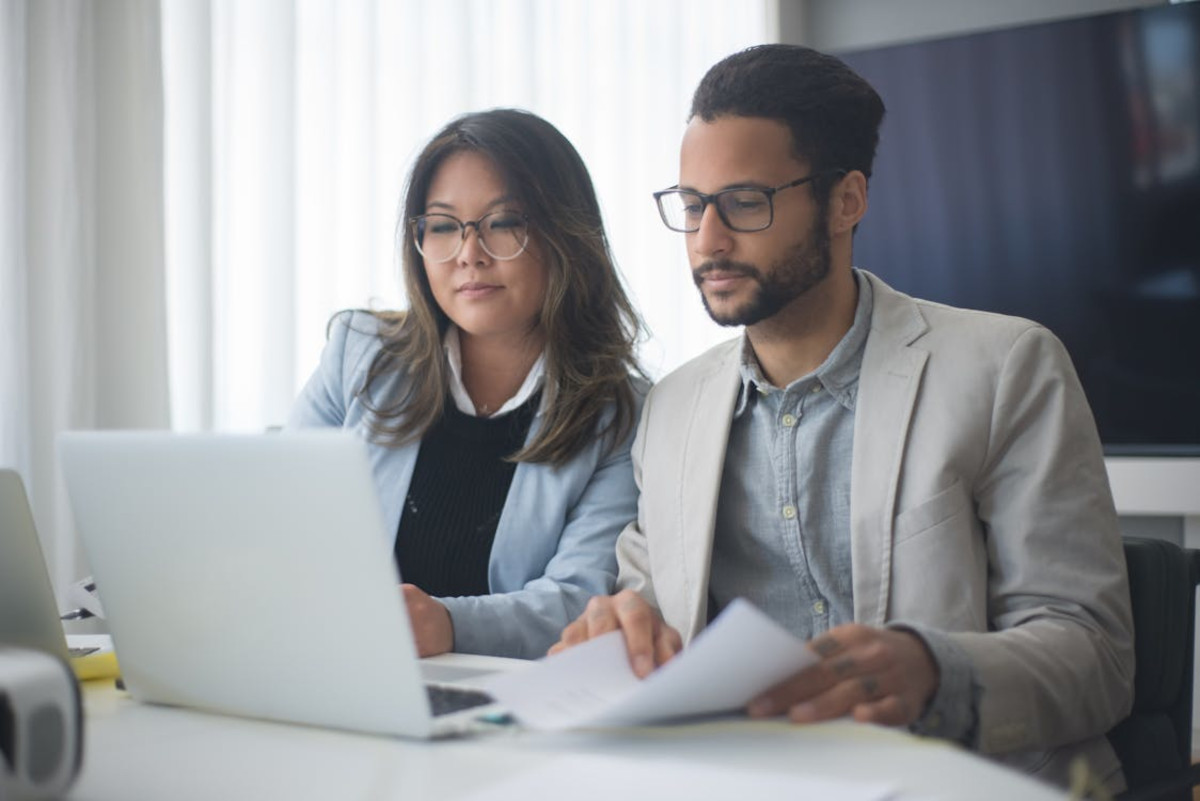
(942, 509)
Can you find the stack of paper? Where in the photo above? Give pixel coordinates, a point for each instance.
(740, 655)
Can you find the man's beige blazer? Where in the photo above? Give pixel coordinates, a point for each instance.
(980, 506)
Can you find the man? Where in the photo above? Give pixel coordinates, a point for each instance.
(918, 489)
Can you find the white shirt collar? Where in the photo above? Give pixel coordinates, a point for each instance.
(533, 381)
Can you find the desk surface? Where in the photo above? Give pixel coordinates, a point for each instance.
(135, 751)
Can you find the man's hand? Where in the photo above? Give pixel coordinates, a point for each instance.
(432, 628)
(877, 675)
(648, 639)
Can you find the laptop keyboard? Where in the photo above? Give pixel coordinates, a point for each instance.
(444, 699)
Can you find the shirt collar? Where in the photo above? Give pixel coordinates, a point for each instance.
(838, 374)
(458, 391)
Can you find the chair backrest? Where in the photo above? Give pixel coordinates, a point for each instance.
(1155, 742)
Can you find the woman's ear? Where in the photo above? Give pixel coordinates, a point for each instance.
(848, 202)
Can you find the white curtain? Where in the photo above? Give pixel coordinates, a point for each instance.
(82, 324)
(188, 189)
(290, 127)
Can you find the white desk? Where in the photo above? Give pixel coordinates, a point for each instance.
(135, 751)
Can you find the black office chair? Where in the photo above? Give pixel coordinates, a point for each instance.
(1155, 741)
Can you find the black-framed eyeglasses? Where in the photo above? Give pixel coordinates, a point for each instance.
(742, 208)
(440, 237)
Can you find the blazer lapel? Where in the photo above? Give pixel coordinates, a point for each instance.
(701, 463)
(887, 390)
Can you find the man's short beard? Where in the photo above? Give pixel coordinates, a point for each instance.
(801, 268)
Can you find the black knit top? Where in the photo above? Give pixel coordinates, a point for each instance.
(458, 489)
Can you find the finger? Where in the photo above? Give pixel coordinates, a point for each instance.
(640, 625)
(600, 617)
(838, 700)
(802, 686)
(666, 644)
(844, 651)
(889, 711)
(842, 666)
(867, 661)
(846, 638)
(794, 690)
(826, 645)
(597, 618)
(573, 634)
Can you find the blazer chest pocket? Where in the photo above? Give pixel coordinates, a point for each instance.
(943, 509)
(939, 565)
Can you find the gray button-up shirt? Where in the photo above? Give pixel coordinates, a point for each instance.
(782, 538)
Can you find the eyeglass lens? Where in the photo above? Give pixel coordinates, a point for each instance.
(440, 237)
(740, 209)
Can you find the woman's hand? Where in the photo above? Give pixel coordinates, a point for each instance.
(432, 628)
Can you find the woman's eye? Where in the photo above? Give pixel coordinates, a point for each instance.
(441, 228)
(505, 223)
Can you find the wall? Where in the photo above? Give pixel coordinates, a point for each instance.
(1155, 497)
(851, 24)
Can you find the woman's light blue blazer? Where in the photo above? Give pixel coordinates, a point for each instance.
(554, 545)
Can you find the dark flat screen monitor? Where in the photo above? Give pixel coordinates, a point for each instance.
(1052, 171)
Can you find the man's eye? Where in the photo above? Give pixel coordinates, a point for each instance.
(745, 203)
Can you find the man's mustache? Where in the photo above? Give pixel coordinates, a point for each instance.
(725, 266)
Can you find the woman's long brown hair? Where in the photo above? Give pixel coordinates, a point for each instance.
(590, 326)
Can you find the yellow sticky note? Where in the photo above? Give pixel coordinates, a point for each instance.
(96, 666)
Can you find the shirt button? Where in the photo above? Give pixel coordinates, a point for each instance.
(789, 512)
(816, 388)
(819, 607)
(789, 420)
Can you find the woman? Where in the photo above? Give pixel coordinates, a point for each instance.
(500, 406)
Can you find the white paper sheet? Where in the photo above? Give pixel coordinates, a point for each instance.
(596, 778)
(741, 654)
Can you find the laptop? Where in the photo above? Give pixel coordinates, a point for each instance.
(28, 610)
(251, 575)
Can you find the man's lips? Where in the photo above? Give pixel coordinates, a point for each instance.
(720, 277)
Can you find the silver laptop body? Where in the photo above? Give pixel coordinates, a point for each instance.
(250, 575)
(28, 609)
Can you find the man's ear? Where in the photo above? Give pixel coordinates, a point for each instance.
(848, 202)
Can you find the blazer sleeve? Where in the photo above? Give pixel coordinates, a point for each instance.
(526, 621)
(1057, 666)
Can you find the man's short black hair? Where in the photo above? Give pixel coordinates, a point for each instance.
(832, 112)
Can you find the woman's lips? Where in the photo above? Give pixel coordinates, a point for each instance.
(476, 289)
